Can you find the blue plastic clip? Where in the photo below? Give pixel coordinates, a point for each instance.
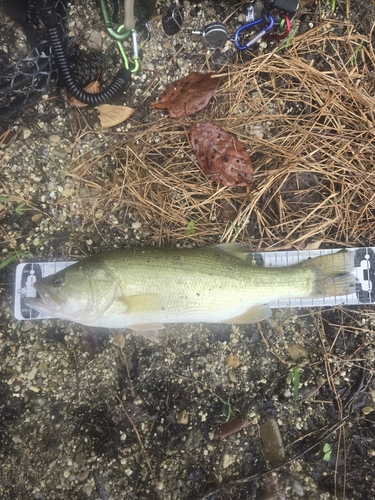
(256, 37)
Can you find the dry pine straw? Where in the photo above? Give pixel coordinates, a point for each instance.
(313, 160)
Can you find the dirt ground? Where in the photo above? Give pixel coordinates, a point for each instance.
(96, 414)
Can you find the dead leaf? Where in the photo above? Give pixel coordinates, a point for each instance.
(110, 116)
(296, 351)
(236, 424)
(187, 95)
(299, 190)
(232, 361)
(314, 245)
(91, 88)
(220, 155)
(227, 213)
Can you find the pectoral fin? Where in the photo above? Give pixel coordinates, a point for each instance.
(149, 331)
(145, 302)
(252, 315)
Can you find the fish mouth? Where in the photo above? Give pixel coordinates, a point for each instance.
(44, 303)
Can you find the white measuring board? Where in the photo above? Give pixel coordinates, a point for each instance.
(364, 270)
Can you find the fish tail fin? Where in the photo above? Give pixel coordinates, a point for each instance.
(333, 274)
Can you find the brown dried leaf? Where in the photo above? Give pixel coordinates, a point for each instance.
(236, 424)
(233, 361)
(91, 88)
(187, 95)
(314, 245)
(110, 116)
(296, 351)
(220, 155)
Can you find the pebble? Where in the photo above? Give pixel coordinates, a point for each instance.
(232, 361)
(182, 417)
(298, 489)
(228, 460)
(296, 351)
(273, 448)
(87, 489)
(232, 377)
(94, 40)
(367, 409)
(56, 139)
(34, 388)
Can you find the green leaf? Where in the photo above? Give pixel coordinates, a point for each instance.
(10, 259)
(327, 448)
(296, 384)
(19, 210)
(190, 228)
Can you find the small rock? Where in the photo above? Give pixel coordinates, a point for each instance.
(32, 373)
(232, 377)
(228, 460)
(182, 417)
(94, 40)
(56, 139)
(232, 361)
(87, 489)
(296, 351)
(298, 489)
(367, 409)
(36, 217)
(34, 388)
(273, 448)
(82, 476)
(193, 439)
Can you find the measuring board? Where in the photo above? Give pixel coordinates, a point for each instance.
(364, 270)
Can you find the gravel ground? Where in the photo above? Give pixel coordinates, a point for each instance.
(88, 414)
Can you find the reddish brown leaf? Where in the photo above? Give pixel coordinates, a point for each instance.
(236, 424)
(220, 155)
(188, 95)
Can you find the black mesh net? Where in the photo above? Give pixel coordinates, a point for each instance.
(26, 60)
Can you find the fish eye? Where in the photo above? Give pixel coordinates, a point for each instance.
(57, 280)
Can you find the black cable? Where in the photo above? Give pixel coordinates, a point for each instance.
(48, 14)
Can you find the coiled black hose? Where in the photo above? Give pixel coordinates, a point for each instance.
(48, 14)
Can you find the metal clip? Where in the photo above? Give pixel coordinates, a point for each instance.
(135, 58)
(256, 37)
(283, 24)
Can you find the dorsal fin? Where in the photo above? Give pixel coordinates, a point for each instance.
(240, 251)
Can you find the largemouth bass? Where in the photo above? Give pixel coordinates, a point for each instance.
(143, 289)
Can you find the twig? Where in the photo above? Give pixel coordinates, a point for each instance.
(144, 451)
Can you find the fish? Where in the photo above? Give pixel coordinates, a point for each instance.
(145, 288)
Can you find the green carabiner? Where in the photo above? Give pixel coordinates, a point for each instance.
(135, 57)
(109, 26)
